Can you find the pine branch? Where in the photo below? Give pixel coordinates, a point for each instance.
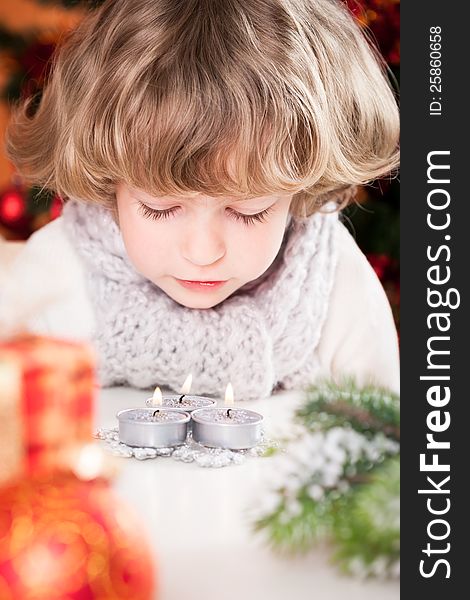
(367, 523)
(339, 482)
(369, 409)
(297, 534)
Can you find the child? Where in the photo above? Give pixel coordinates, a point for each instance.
(204, 149)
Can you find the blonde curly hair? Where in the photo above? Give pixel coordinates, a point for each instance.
(238, 97)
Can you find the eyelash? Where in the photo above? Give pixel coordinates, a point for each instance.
(155, 215)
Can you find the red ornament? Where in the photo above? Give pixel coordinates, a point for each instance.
(381, 264)
(12, 207)
(47, 388)
(382, 17)
(56, 207)
(36, 59)
(36, 64)
(63, 538)
(388, 271)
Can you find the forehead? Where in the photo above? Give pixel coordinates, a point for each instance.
(200, 198)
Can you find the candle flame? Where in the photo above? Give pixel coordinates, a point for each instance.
(157, 399)
(229, 395)
(186, 388)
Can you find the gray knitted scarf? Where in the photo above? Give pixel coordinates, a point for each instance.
(263, 337)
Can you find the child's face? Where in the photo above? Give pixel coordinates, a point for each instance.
(199, 250)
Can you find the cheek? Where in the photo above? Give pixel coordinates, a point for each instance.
(258, 248)
(144, 241)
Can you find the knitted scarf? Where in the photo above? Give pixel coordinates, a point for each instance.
(263, 337)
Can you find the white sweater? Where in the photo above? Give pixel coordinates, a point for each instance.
(358, 337)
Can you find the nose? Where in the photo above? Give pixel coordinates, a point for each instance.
(203, 245)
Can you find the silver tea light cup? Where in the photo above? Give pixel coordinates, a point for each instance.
(183, 402)
(153, 427)
(234, 428)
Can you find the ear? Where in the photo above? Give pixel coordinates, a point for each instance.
(307, 203)
(113, 206)
(115, 213)
(344, 196)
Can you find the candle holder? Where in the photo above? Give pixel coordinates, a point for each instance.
(233, 428)
(153, 427)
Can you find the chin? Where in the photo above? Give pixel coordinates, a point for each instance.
(196, 300)
(199, 303)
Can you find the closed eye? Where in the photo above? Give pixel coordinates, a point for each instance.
(155, 214)
(250, 219)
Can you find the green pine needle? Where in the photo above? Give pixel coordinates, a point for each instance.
(366, 524)
(299, 533)
(368, 409)
(360, 513)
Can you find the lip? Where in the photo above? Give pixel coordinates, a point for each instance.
(200, 286)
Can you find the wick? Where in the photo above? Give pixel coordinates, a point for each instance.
(155, 412)
(229, 410)
(181, 398)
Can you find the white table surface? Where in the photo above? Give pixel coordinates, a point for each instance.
(197, 523)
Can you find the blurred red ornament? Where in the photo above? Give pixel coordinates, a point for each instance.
(36, 58)
(36, 63)
(12, 206)
(382, 17)
(388, 271)
(63, 538)
(56, 207)
(47, 388)
(382, 265)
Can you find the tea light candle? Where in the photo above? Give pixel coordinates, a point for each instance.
(234, 428)
(182, 401)
(228, 427)
(153, 428)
